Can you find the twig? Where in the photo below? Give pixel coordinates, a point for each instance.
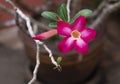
(17, 20)
(7, 24)
(26, 7)
(38, 24)
(105, 13)
(6, 9)
(28, 23)
(37, 65)
(68, 9)
(99, 9)
(35, 10)
(74, 4)
(32, 35)
(35, 28)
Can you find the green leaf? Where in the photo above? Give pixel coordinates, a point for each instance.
(84, 12)
(53, 24)
(59, 59)
(62, 12)
(49, 15)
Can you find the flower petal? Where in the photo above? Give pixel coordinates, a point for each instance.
(64, 28)
(81, 46)
(66, 45)
(79, 23)
(45, 35)
(88, 34)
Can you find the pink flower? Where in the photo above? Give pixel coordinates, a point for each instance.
(76, 35)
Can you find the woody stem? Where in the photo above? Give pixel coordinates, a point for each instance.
(68, 9)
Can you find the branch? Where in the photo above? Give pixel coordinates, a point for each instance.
(38, 24)
(37, 65)
(26, 7)
(7, 24)
(99, 9)
(68, 9)
(105, 13)
(28, 23)
(76, 5)
(6, 9)
(36, 10)
(17, 20)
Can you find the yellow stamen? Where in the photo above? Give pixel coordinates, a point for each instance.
(75, 34)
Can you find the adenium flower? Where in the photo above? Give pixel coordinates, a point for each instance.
(76, 35)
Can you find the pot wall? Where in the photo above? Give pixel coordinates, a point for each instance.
(74, 69)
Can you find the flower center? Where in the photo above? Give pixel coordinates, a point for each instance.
(75, 34)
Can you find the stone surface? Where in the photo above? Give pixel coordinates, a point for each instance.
(12, 66)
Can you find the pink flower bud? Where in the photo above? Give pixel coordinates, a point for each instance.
(45, 35)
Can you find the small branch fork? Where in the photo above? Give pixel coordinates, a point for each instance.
(11, 23)
(38, 43)
(108, 9)
(35, 10)
(99, 9)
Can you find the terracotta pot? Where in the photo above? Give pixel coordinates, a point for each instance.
(74, 70)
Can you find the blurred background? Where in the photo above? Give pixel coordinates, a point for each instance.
(14, 62)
